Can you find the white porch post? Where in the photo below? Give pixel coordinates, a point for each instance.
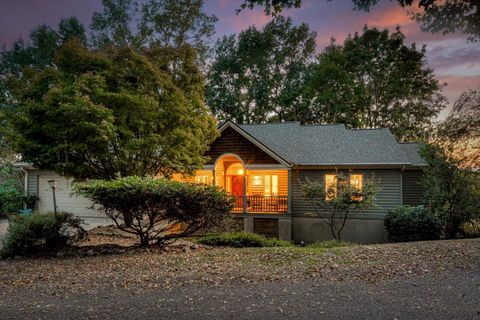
(244, 190)
(289, 192)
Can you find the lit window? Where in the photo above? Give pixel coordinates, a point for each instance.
(271, 185)
(268, 185)
(257, 180)
(356, 183)
(330, 186)
(275, 185)
(203, 179)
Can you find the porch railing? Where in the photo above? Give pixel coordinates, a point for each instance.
(261, 204)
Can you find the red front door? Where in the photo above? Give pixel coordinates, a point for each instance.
(237, 186)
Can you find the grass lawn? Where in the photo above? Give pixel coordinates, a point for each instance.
(148, 269)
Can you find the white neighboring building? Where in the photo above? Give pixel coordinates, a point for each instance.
(36, 183)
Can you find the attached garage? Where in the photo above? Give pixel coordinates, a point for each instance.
(37, 184)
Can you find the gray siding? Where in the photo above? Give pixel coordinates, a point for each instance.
(412, 187)
(387, 198)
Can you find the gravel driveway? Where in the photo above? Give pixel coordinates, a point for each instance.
(452, 295)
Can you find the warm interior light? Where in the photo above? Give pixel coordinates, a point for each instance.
(257, 181)
(240, 172)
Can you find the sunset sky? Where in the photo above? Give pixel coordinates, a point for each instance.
(453, 59)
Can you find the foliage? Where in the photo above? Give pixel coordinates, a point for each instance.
(471, 229)
(241, 240)
(15, 63)
(115, 112)
(459, 134)
(333, 203)
(451, 192)
(158, 210)
(12, 197)
(450, 16)
(30, 234)
(41, 48)
(165, 23)
(407, 223)
(176, 23)
(273, 7)
(112, 26)
(258, 76)
(374, 80)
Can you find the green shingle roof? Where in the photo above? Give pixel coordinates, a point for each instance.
(331, 144)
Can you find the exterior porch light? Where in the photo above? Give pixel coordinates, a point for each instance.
(240, 172)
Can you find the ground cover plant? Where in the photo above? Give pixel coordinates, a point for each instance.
(241, 240)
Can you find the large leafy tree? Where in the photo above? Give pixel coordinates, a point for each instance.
(176, 23)
(258, 76)
(23, 57)
(374, 80)
(115, 24)
(451, 192)
(167, 23)
(115, 113)
(445, 16)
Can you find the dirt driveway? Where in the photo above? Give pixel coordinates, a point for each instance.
(448, 295)
(422, 280)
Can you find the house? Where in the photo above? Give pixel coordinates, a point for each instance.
(263, 166)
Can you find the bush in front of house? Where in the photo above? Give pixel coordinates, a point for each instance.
(406, 223)
(12, 198)
(158, 210)
(241, 240)
(40, 232)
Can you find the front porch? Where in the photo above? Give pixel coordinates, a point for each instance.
(255, 188)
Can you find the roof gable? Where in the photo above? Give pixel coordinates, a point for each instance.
(233, 141)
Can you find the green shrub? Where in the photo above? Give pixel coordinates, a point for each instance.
(241, 240)
(471, 229)
(38, 232)
(158, 210)
(407, 223)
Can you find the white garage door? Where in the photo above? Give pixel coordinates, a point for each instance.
(65, 201)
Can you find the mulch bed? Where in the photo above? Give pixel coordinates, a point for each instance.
(96, 265)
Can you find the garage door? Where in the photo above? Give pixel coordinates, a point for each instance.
(65, 201)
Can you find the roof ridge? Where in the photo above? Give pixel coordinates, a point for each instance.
(266, 123)
(367, 129)
(323, 124)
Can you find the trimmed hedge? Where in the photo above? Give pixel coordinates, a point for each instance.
(408, 223)
(39, 232)
(241, 240)
(159, 210)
